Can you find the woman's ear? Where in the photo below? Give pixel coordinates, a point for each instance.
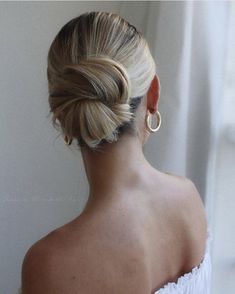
(153, 94)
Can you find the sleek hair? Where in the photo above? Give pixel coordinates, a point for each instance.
(98, 68)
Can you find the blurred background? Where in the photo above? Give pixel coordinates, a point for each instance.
(42, 181)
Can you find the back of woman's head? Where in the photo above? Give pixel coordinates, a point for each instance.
(99, 67)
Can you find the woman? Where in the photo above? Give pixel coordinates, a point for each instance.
(142, 231)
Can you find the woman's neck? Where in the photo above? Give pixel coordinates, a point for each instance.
(119, 166)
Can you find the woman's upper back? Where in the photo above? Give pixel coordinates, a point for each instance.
(136, 245)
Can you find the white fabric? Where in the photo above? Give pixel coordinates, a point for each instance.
(195, 282)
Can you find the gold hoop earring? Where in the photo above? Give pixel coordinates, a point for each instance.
(148, 122)
(67, 140)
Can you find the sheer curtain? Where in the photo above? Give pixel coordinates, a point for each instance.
(224, 217)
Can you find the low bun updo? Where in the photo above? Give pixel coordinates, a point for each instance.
(99, 68)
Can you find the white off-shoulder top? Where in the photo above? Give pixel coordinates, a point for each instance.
(197, 281)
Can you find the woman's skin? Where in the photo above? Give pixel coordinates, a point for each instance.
(123, 163)
(140, 228)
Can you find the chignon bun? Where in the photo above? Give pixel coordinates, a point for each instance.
(91, 91)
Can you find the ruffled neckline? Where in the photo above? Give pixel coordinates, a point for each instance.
(187, 277)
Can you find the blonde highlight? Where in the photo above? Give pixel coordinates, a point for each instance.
(98, 64)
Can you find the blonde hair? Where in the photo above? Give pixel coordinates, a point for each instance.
(98, 65)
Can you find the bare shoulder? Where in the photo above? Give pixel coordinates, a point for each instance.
(50, 266)
(185, 188)
(192, 200)
(196, 209)
(36, 266)
(40, 272)
(189, 203)
(39, 268)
